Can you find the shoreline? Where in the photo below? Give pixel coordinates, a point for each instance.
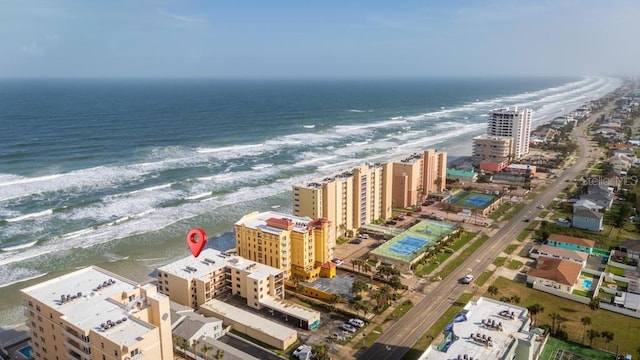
(162, 248)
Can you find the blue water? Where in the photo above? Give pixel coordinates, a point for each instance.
(408, 245)
(115, 172)
(27, 352)
(586, 284)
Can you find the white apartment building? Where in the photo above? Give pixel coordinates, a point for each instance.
(514, 123)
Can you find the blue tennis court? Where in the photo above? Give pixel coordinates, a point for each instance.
(408, 245)
(472, 199)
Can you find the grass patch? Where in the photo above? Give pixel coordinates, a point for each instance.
(499, 261)
(624, 327)
(425, 340)
(587, 275)
(440, 258)
(369, 338)
(400, 311)
(515, 265)
(342, 240)
(461, 257)
(514, 210)
(482, 279)
(510, 249)
(579, 292)
(544, 213)
(501, 210)
(554, 344)
(614, 270)
(523, 235)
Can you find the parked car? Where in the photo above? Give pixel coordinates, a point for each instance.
(302, 352)
(337, 261)
(391, 222)
(363, 236)
(356, 322)
(349, 328)
(540, 206)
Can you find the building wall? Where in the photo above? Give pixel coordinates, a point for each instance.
(574, 247)
(514, 123)
(491, 147)
(407, 183)
(54, 337)
(549, 284)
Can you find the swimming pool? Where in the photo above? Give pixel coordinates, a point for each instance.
(27, 352)
(586, 284)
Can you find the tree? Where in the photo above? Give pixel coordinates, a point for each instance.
(608, 337)
(336, 298)
(382, 295)
(205, 350)
(554, 317)
(534, 310)
(493, 290)
(395, 282)
(515, 299)
(359, 286)
(219, 355)
(594, 304)
(366, 267)
(353, 263)
(592, 334)
(319, 351)
(194, 346)
(586, 321)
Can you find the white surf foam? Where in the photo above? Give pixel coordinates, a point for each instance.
(30, 216)
(19, 247)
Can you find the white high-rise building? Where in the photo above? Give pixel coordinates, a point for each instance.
(514, 123)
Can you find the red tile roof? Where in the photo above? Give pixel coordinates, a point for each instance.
(283, 224)
(561, 271)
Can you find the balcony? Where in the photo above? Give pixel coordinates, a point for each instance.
(139, 355)
(73, 355)
(74, 335)
(77, 349)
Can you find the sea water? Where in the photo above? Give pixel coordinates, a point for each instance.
(115, 172)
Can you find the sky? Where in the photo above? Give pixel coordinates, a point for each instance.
(317, 39)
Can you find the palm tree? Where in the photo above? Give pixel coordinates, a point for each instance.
(382, 295)
(493, 290)
(358, 305)
(320, 351)
(515, 299)
(205, 350)
(336, 298)
(594, 304)
(554, 316)
(534, 310)
(592, 334)
(366, 267)
(586, 321)
(353, 263)
(395, 282)
(608, 336)
(194, 345)
(359, 286)
(219, 355)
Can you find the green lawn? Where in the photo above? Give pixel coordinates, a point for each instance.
(554, 344)
(480, 280)
(461, 257)
(614, 270)
(370, 337)
(625, 328)
(510, 249)
(440, 258)
(400, 310)
(501, 210)
(514, 210)
(515, 265)
(523, 235)
(499, 261)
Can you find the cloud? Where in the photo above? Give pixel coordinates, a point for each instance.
(31, 49)
(184, 19)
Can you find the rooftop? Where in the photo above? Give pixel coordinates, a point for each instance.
(478, 319)
(89, 295)
(273, 222)
(572, 254)
(249, 320)
(290, 309)
(561, 271)
(571, 240)
(211, 260)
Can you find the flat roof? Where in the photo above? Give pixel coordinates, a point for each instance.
(249, 320)
(572, 240)
(94, 306)
(211, 260)
(290, 309)
(475, 312)
(258, 220)
(572, 254)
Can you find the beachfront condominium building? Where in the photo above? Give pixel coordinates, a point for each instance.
(416, 176)
(194, 281)
(297, 245)
(514, 123)
(349, 199)
(94, 314)
(487, 147)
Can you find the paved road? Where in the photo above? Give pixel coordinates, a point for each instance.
(399, 338)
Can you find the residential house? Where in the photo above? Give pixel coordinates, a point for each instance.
(571, 243)
(462, 176)
(587, 219)
(554, 252)
(588, 204)
(555, 273)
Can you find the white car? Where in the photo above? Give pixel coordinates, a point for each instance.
(356, 322)
(302, 352)
(337, 262)
(349, 328)
(467, 279)
(540, 206)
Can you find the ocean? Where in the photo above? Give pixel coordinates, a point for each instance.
(115, 172)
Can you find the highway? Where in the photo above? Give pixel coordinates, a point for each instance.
(399, 338)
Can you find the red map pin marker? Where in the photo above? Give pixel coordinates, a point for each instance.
(196, 239)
